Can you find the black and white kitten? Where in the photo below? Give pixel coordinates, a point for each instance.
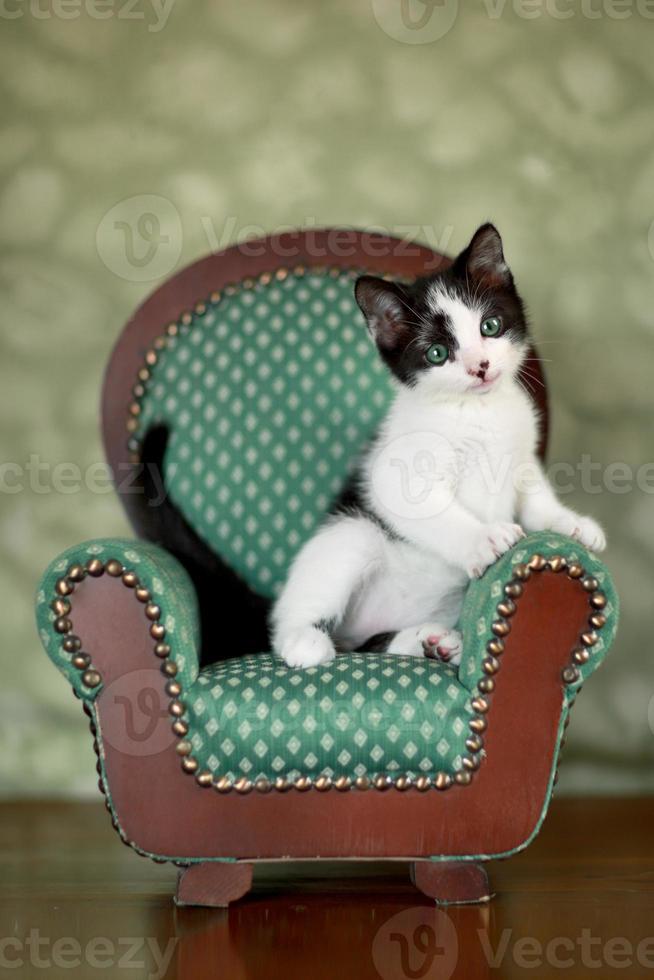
(449, 484)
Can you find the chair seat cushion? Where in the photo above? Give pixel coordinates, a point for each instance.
(364, 714)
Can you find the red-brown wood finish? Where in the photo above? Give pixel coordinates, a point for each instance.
(452, 882)
(215, 883)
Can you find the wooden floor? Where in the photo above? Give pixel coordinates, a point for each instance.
(74, 902)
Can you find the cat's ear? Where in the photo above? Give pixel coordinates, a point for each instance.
(483, 260)
(384, 306)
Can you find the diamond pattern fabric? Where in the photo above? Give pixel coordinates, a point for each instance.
(270, 395)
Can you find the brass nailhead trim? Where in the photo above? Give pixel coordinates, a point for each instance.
(95, 567)
(81, 661)
(189, 764)
(91, 678)
(204, 778)
(72, 643)
(114, 568)
(570, 675)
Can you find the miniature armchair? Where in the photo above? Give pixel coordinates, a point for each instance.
(214, 754)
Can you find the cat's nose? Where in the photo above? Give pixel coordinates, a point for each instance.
(480, 371)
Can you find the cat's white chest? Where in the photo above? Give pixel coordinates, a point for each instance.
(479, 446)
(491, 446)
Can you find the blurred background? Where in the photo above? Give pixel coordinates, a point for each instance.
(227, 120)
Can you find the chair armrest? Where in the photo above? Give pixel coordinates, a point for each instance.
(537, 552)
(75, 588)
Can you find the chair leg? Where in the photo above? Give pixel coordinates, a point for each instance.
(213, 883)
(451, 882)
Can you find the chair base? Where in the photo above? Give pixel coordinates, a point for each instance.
(213, 884)
(216, 884)
(452, 882)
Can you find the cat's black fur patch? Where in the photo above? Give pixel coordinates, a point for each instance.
(403, 325)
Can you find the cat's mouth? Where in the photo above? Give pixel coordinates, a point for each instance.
(486, 383)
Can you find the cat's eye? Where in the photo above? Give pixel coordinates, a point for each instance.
(437, 354)
(491, 327)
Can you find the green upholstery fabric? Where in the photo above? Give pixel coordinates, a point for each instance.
(362, 714)
(270, 394)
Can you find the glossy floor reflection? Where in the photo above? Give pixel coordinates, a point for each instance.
(76, 903)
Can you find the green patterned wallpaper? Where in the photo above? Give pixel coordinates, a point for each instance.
(137, 139)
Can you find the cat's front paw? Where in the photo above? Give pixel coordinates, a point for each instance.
(490, 543)
(307, 648)
(583, 529)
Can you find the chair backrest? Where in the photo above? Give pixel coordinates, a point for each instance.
(269, 386)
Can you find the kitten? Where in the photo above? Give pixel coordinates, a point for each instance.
(461, 435)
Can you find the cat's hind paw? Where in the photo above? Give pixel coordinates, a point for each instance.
(447, 647)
